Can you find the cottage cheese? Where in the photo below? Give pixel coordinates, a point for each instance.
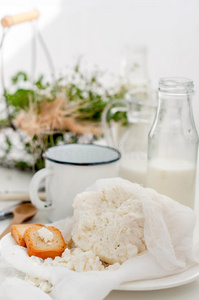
(44, 285)
(76, 260)
(109, 222)
(45, 235)
(73, 259)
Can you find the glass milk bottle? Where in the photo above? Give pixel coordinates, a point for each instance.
(173, 142)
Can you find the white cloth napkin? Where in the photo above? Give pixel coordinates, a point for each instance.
(169, 238)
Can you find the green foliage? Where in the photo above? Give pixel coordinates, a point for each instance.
(120, 116)
(40, 84)
(8, 145)
(4, 122)
(22, 165)
(20, 99)
(20, 76)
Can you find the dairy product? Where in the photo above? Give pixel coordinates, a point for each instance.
(109, 222)
(72, 259)
(173, 178)
(44, 285)
(45, 235)
(133, 167)
(76, 260)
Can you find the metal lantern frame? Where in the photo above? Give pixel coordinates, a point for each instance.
(7, 23)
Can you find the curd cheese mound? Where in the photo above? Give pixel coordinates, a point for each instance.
(45, 235)
(110, 223)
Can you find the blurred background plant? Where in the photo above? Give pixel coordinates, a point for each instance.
(36, 116)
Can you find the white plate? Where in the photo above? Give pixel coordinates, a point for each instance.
(162, 283)
(179, 279)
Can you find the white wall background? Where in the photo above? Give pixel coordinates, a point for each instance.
(100, 29)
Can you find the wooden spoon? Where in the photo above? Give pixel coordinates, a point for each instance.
(21, 213)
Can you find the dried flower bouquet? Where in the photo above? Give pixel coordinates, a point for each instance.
(38, 115)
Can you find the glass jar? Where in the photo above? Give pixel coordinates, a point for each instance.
(173, 142)
(126, 124)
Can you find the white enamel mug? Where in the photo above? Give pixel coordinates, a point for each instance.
(69, 170)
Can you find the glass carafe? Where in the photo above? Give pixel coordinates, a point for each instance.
(126, 124)
(173, 142)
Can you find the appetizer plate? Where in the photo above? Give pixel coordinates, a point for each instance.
(162, 283)
(179, 279)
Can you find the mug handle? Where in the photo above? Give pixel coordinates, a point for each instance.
(34, 186)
